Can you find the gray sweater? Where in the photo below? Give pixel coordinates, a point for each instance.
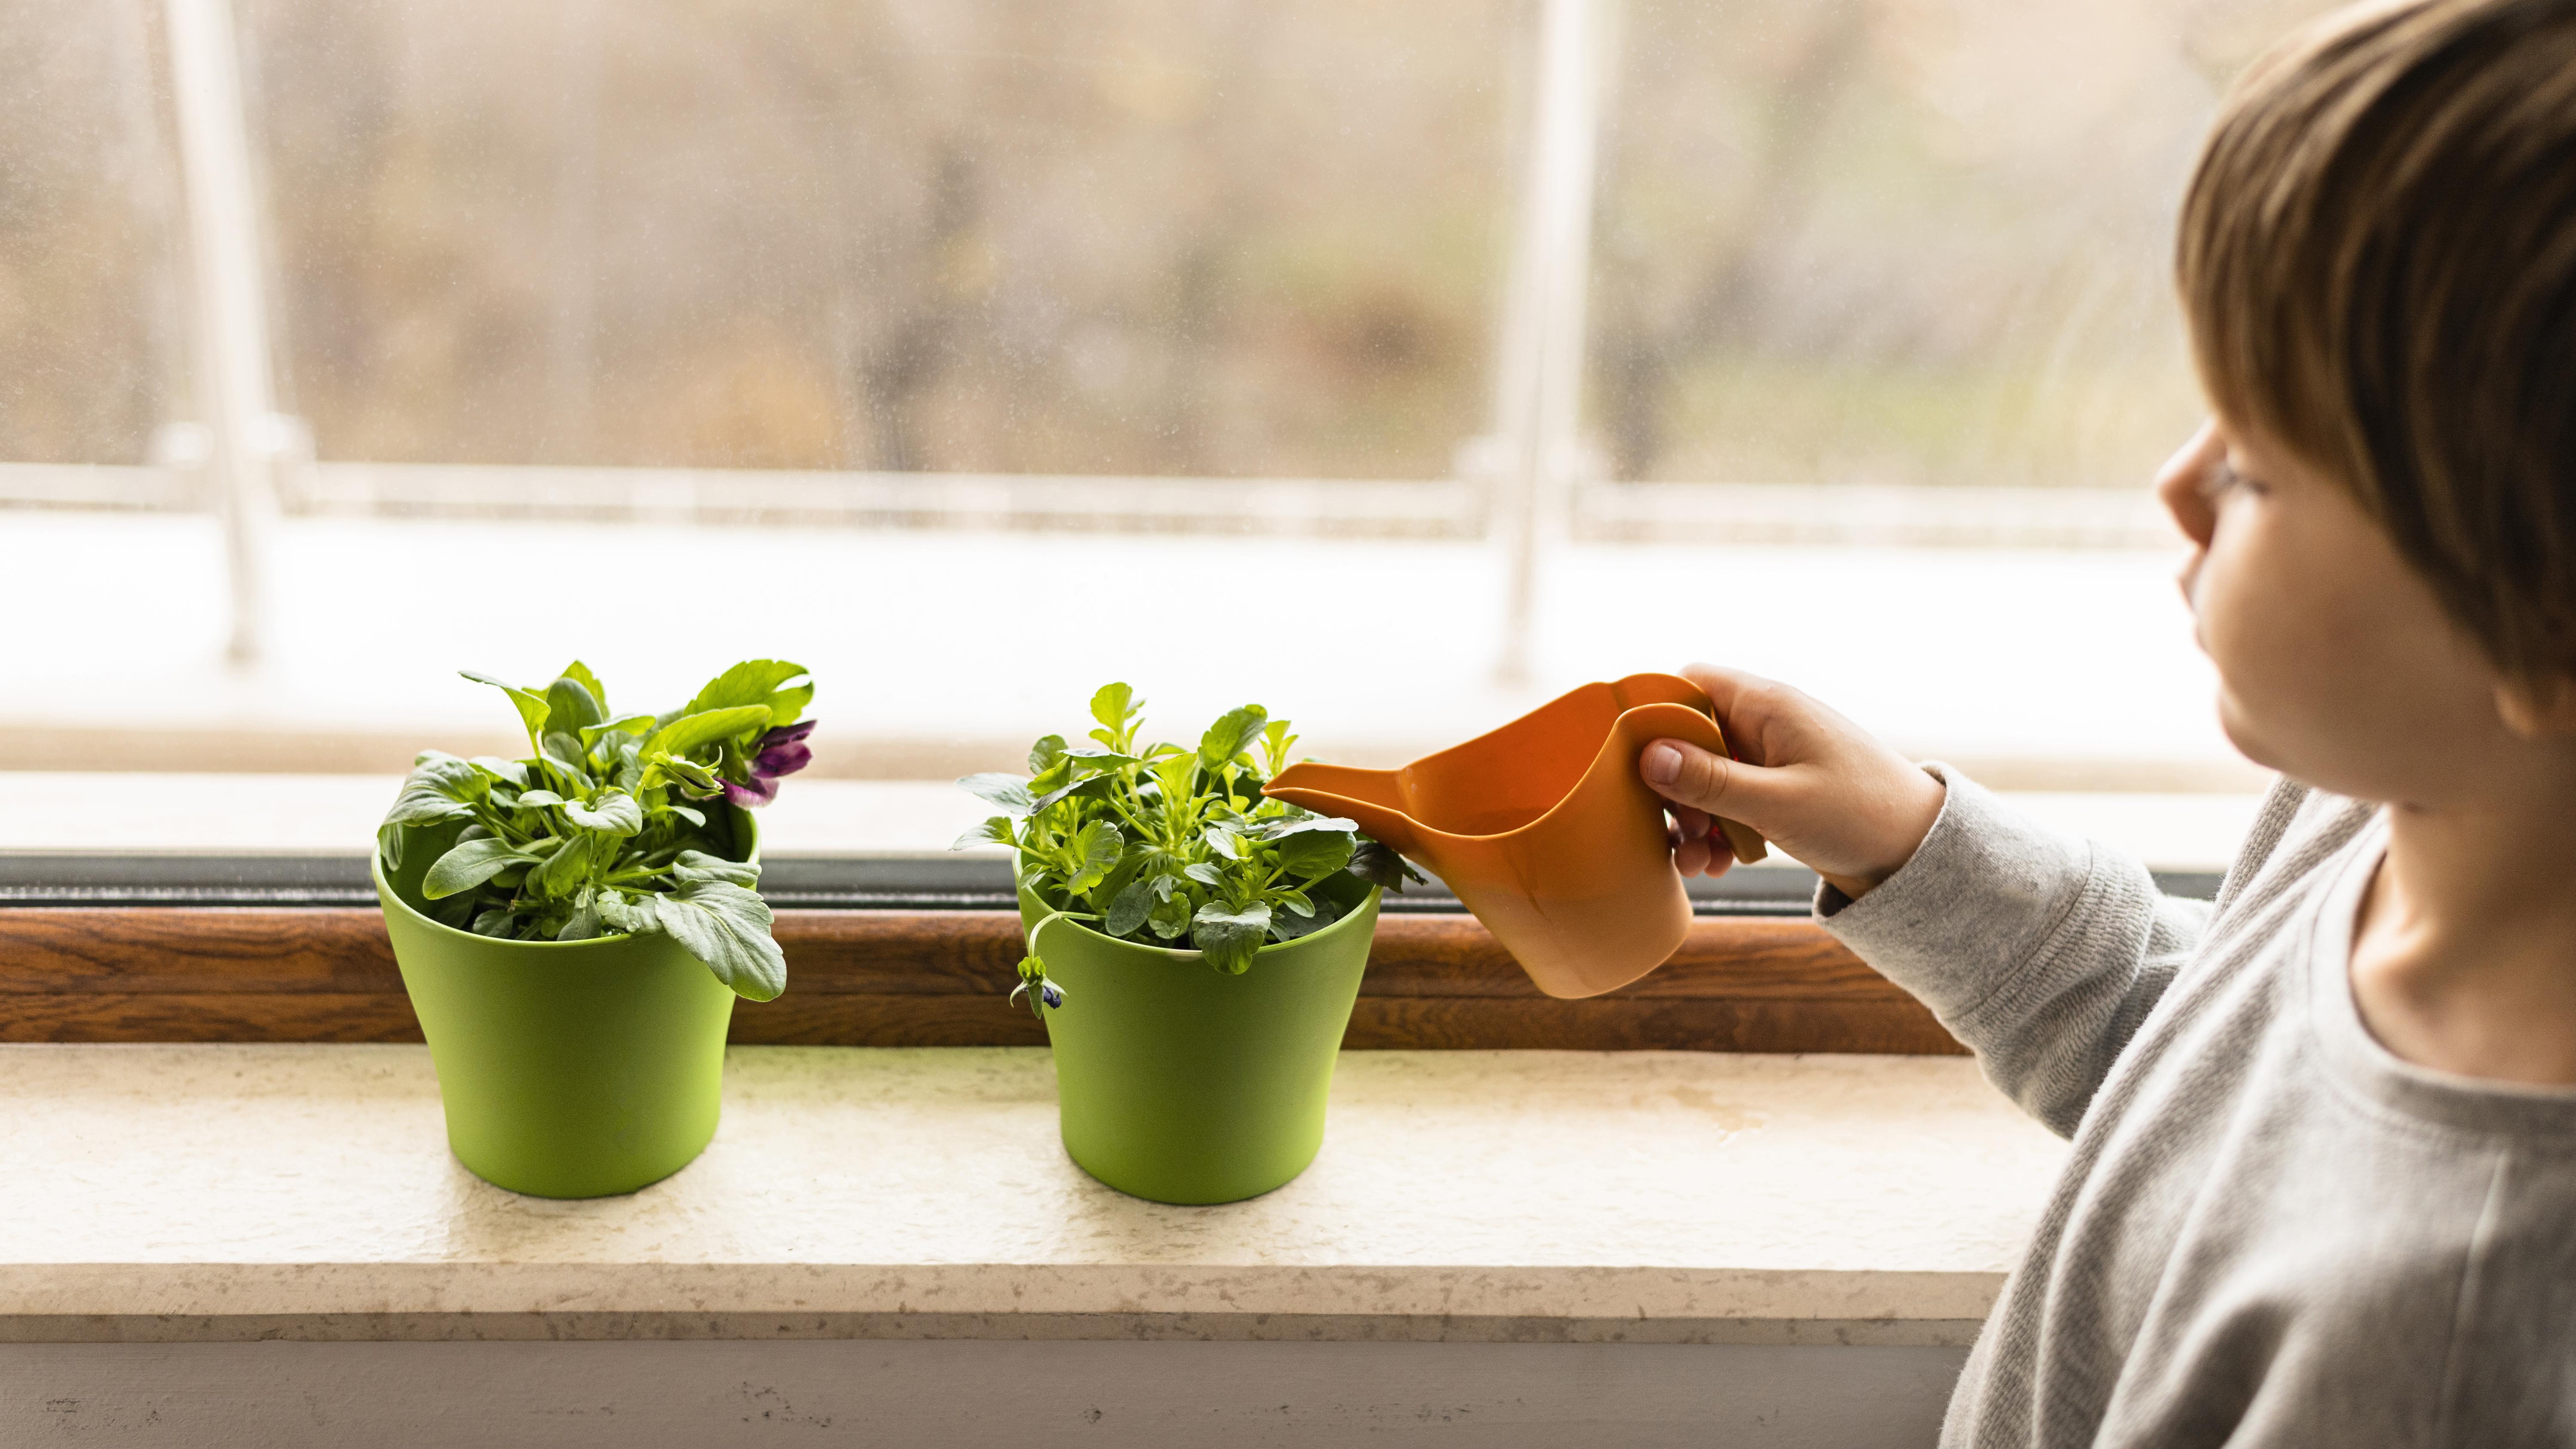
(2271, 1231)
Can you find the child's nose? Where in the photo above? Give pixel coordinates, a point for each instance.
(2178, 484)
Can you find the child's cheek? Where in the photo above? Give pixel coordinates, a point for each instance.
(2261, 634)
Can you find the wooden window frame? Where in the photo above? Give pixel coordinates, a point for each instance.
(918, 953)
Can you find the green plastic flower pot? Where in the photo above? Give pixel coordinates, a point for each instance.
(567, 1068)
(1183, 1084)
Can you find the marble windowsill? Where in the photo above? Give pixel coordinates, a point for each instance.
(182, 1192)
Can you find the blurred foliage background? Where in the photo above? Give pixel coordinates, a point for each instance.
(1914, 241)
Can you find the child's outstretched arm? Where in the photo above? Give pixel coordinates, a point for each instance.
(2040, 951)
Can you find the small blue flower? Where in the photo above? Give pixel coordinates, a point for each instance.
(1044, 995)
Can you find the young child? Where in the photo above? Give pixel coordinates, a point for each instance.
(2323, 1181)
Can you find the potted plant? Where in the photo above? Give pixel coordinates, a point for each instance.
(1194, 948)
(574, 927)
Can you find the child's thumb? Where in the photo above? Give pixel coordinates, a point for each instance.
(1688, 775)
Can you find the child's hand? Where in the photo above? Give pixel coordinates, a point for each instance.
(1819, 786)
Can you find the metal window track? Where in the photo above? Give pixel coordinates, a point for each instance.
(790, 882)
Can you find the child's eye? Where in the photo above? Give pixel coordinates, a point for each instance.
(2223, 479)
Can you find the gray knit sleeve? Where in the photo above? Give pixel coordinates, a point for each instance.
(2040, 951)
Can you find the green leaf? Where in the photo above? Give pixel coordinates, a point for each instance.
(700, 728)
(580, 674)
(787, 706)
(1300, 823)
(563, 750)
(1275, 744)
(1092, 785)
(1379, 865)
(1087, 758)
(756, 681)
(1204, 872)
(1172, 774)
(632, 915)
(1226, 738)
(613, 813)
(1124, 873)
(530, 799)
(689, 773)
(470, 863)
(1113, 706)
(1096, 849)
(698, 865)
(439, 787)
(727, 927)
(564, 870)
(693, 816)
(513, 773)
(999, 830)
(532, 706)
(1171, 918)
(1048, 750)
(1222, 841)
(497, 922)
(1229, 937)
(571, 707)
(584, 925)
(633, 724)
(995, 788)
(1053, 777)
(1289, 925)
(1316, 852)
(1128, 909)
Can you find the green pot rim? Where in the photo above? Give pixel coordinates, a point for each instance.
(393, 899)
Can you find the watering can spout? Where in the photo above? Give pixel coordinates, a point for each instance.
(1374, 798)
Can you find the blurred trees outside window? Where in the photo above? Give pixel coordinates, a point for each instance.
(1050, 236)
(1903, 241)
(92, 359)
(1910, 241)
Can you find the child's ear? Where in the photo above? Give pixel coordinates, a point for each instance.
(2537, 709)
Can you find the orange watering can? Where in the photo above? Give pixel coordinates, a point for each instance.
(1545, 830)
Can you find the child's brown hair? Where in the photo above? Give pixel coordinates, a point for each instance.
(2378, 259)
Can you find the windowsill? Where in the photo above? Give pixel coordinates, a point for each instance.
(2035, 668)
(182, 1192)
(337, 814)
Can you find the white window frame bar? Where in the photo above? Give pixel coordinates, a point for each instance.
(229, 306)
(1539, 368)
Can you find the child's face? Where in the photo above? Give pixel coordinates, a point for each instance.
(2335, 664)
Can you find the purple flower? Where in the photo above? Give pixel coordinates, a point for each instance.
(780, 752)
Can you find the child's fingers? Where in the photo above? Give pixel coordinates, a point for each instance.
(1747, 704)
(1690, 857)
(1712, 858)
(1698, 779)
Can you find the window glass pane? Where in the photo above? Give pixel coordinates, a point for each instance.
(653, 257)
(1903, 241)
(90, 346)
(1029, 236)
